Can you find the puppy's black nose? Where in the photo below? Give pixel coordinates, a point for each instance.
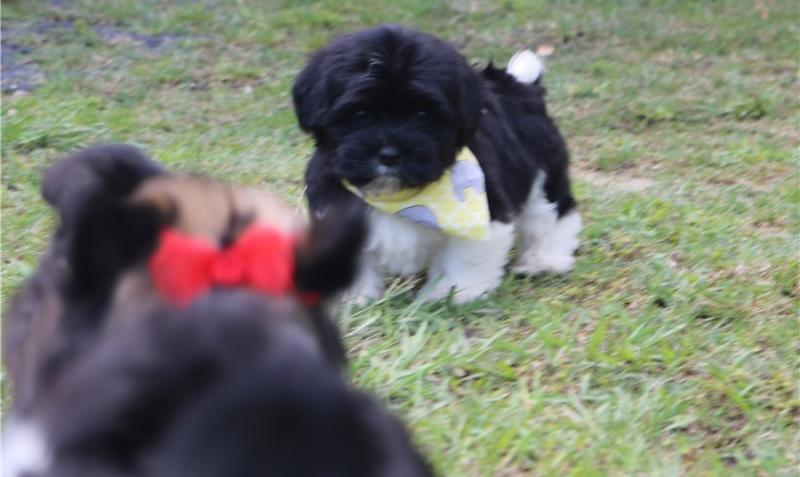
(388, 155)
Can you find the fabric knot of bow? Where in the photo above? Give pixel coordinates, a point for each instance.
(261, 259)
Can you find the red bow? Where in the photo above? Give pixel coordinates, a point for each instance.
(262, 259)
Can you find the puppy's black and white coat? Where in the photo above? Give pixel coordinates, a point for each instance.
(392, 107)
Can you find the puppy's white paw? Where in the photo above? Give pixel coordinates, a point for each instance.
(365, 292)
(362, 300)
(538, 263)
(368, 286)
(436, 293)
(470, 268)
(25, 450)
(435, 290)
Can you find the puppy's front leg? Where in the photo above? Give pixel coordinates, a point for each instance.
(368, 285)
(471, 268)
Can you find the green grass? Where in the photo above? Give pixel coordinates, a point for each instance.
(672, 349)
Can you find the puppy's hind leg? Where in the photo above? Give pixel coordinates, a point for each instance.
(470, 268)
(547, 242)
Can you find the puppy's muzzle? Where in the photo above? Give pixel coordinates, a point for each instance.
(389, 156)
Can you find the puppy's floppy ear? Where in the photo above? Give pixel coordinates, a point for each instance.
(470, 101)
(102, 233)
(112, 170)
(110, 236)
(327, 261)
(309, 94)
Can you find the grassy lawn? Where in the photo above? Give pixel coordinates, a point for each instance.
(672, 349)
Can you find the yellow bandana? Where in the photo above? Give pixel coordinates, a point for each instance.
(456, 204)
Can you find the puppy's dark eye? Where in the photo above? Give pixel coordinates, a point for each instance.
(360, 113)
(422, 114)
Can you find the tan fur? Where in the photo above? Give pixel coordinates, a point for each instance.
(208, 209)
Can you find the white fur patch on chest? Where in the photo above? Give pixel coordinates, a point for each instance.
(24, 449)
(401, 247)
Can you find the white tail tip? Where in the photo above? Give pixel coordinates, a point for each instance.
(525, 66)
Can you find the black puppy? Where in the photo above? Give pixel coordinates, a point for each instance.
(391, 110)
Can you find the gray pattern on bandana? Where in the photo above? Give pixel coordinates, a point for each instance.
(466, 174)
(419, 214)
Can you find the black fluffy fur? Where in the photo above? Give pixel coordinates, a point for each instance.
(99, 233)
(93, 175)
(328, 262)
(390, 86)
(223, 388)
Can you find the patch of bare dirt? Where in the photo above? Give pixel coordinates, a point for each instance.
(616, 182)
(20, 73)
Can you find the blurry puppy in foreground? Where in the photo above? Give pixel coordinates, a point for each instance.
(454, 163)
(176, 327)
